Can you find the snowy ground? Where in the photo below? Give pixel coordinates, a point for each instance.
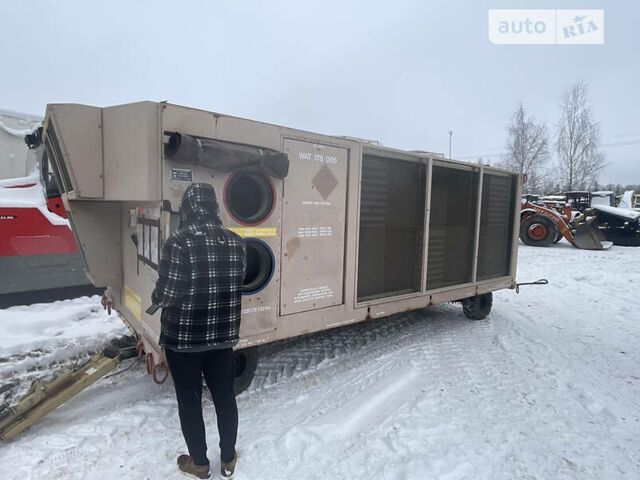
(548, 387)
(37, 341)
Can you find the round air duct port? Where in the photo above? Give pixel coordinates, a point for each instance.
(260, 266)
(249, 197)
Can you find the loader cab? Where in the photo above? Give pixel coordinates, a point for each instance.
(578, 200)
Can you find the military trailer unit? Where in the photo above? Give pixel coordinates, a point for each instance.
(337, 230)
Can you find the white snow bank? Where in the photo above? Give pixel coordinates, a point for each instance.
(37, 341)
(47, 326)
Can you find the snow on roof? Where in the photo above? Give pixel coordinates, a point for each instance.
(20, 115)
(33, 177)
(28, 197)
(21, 196)
(628, 214)
(602, 193)
(18, 124)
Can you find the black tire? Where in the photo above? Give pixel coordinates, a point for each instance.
(245, 364)
(478, 307)
(542, 223)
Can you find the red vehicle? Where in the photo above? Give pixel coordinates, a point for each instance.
(39, 259)
(541, 226)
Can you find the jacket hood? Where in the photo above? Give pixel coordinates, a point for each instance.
(199, 205)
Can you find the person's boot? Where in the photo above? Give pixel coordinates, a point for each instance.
(190, 469)
(227, 468)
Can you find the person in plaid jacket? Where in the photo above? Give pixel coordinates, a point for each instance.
(200, 275)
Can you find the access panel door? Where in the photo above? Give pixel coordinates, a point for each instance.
(313, 224)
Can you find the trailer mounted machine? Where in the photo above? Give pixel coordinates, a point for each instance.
(338, 230)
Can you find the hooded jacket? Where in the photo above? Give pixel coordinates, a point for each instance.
(200, 275)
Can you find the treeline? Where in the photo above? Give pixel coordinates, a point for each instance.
(566, 157)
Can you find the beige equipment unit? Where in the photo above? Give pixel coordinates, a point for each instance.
(338, 230)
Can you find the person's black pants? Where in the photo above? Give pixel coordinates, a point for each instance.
(187, 370)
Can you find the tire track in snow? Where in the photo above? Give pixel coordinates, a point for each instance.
(540, 336)
(442, 348)
(478, 389)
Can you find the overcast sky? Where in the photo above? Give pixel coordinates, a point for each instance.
(403, 73)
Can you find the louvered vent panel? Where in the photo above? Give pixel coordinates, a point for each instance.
(391, 227)
(496, 226)
(454, 193)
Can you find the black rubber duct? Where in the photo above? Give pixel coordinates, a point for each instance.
(249, 197)
(225, 156)
(260, 266)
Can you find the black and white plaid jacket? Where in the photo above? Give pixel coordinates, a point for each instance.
(201, 271)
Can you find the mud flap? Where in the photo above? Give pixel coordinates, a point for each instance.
(590, 237)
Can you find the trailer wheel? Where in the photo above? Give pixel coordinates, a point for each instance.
(537, 231)
(245, 364)
(478, 307)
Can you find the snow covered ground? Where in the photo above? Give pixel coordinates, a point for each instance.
(37, 341)
(548, 387)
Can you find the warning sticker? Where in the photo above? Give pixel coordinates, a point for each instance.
(255, 231)
(313, 293)
(182, 174)
(304, 232)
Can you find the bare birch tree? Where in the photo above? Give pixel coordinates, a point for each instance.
(580, 159)
(527, 148)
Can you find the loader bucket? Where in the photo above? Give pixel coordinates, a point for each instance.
(588, 237)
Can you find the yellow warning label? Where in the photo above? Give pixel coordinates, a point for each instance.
(255, 231)
(133, 302)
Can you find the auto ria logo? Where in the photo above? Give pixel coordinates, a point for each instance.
(545, 27)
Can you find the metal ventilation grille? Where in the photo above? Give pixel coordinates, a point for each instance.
(496, 226)
(54, 155)
(391, 227)
(454, 193)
